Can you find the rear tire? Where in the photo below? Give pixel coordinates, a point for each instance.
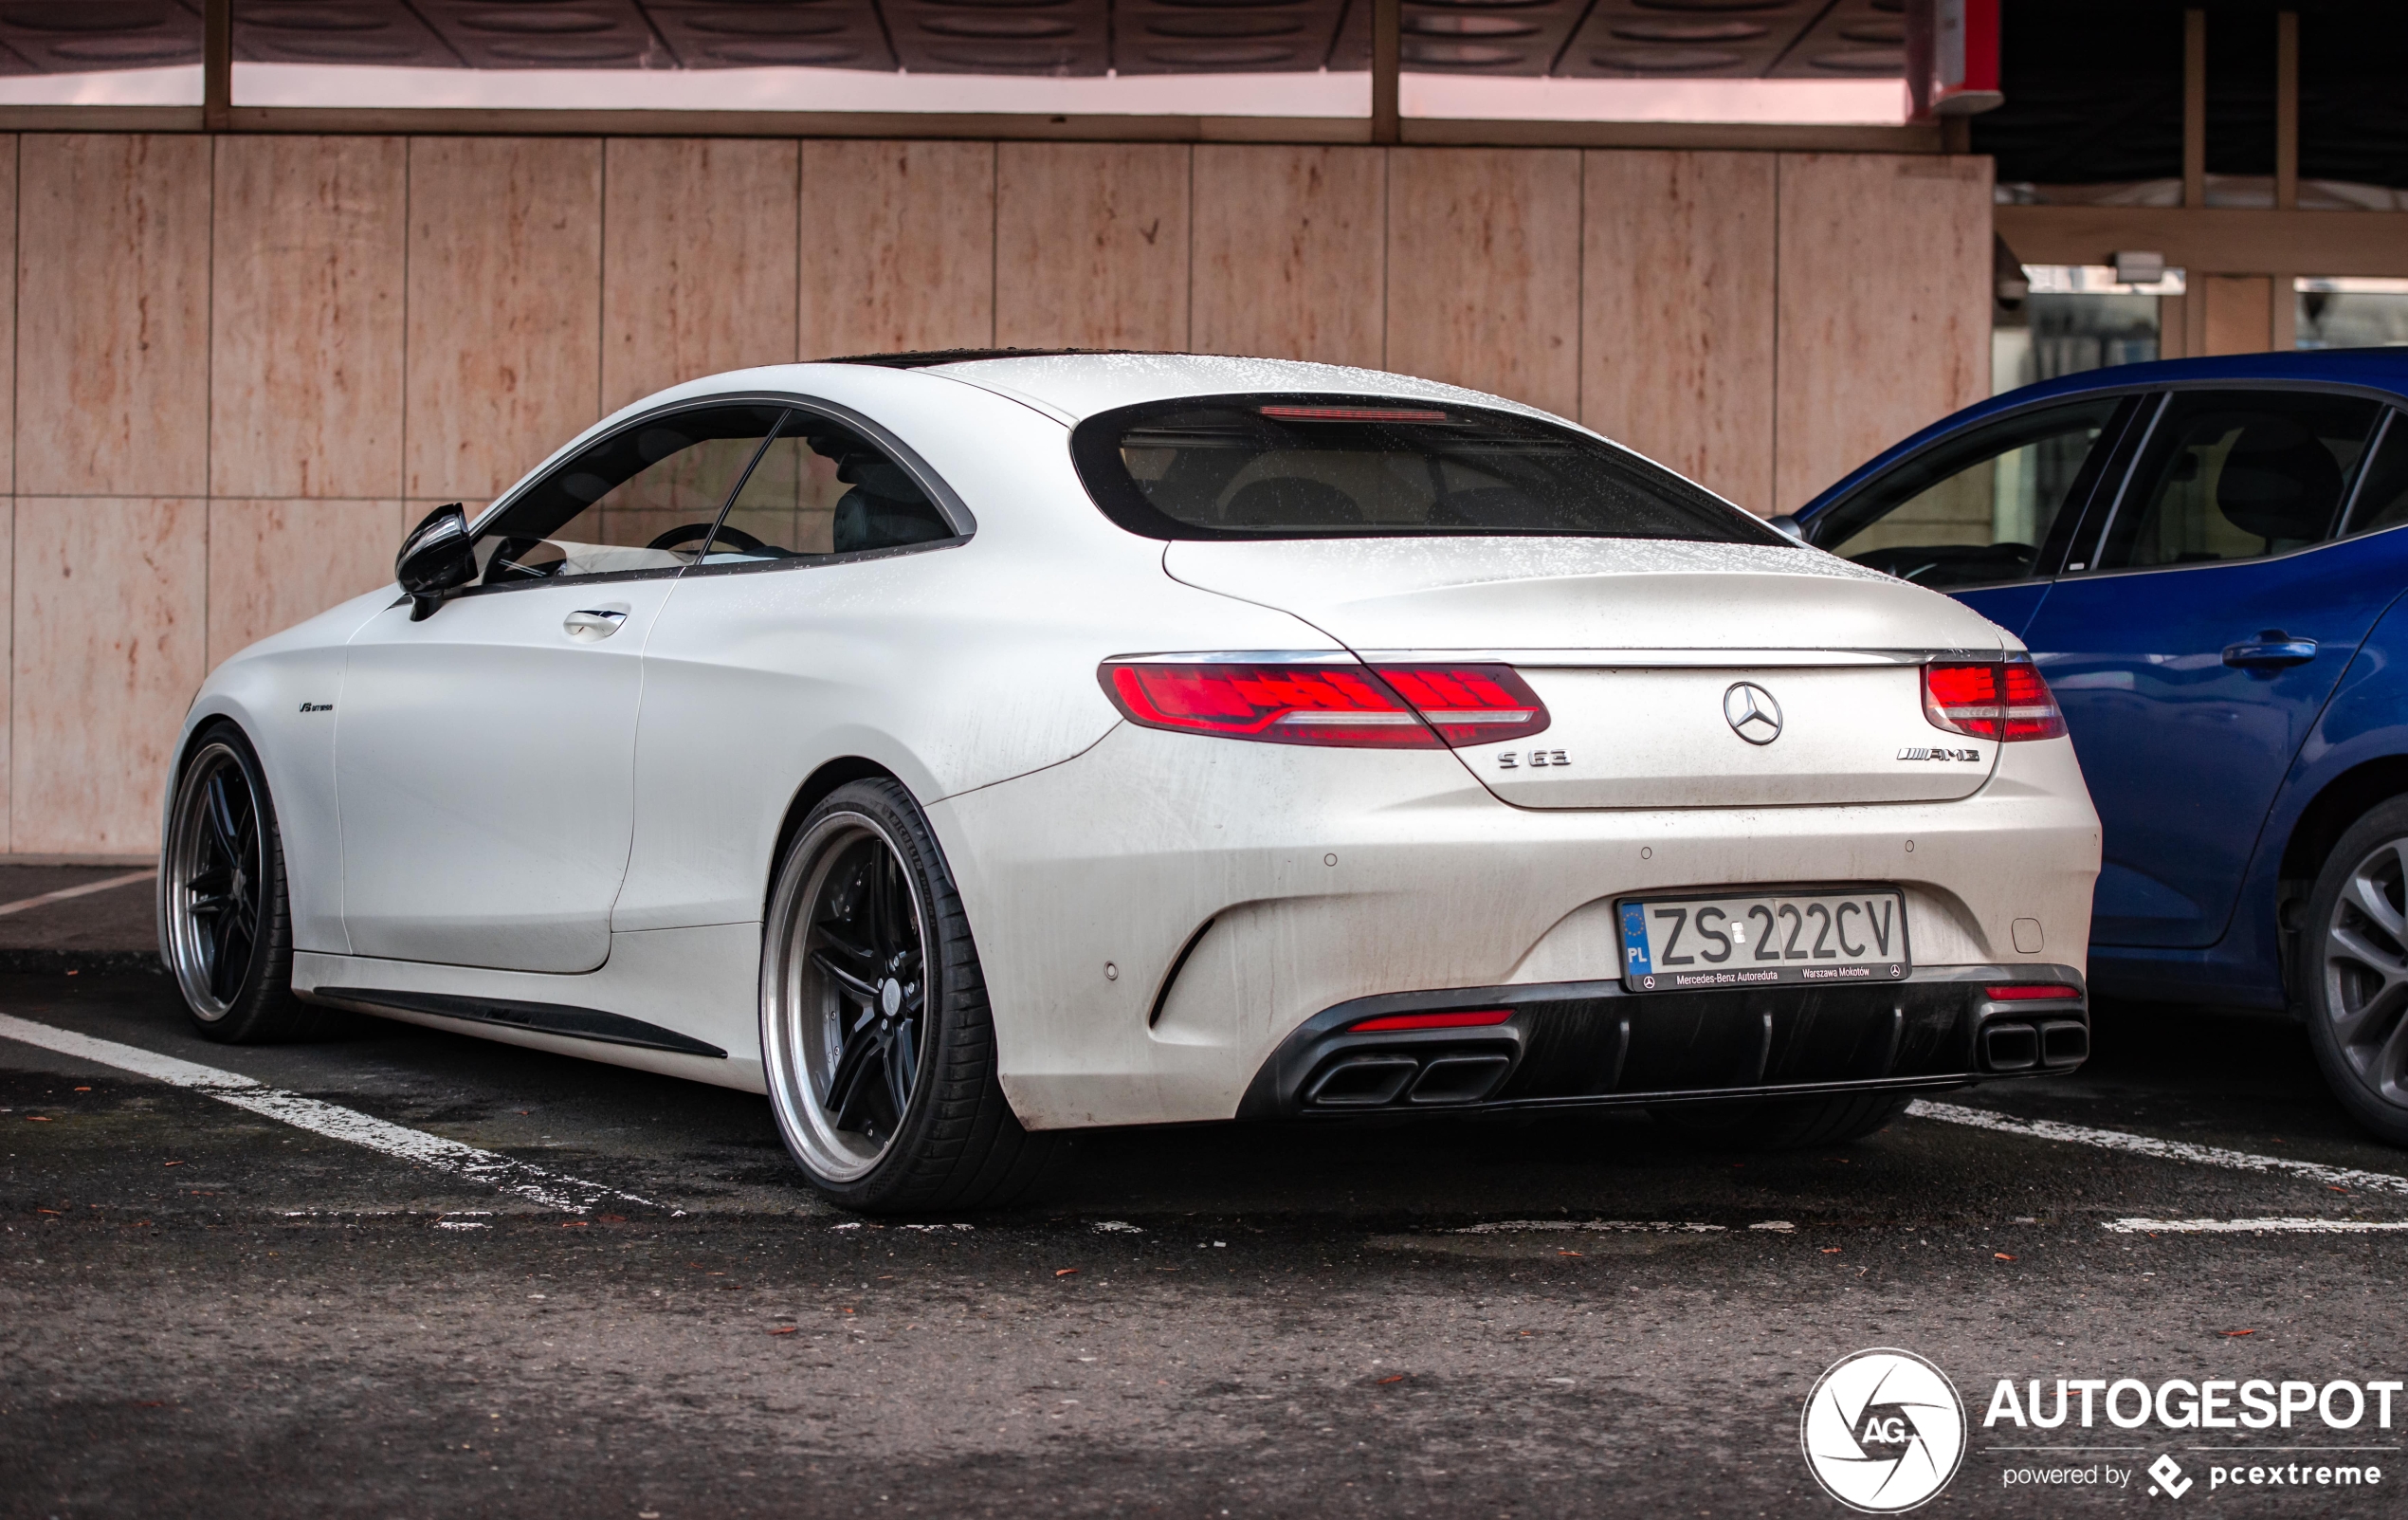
(226, 927)
(1781, 1124)
(877, 1042)
(2353, 964)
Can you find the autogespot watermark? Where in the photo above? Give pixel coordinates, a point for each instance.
(1884, 1431)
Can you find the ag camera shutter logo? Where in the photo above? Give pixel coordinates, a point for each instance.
(1884, 1431)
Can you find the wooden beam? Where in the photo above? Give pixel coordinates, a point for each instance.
(2371, 244)
(1387, 62)
(999, 127)
(217, 62)
(2287, 112)
(2194, 109)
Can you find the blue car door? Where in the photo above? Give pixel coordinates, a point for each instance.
(2203, 618)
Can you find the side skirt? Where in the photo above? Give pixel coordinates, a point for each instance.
(680, 1002)
(550, 1018)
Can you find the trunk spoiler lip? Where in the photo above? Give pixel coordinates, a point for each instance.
(1586, 659)
(1696, 659)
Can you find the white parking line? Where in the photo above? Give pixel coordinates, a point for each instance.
(2288, 1225)
(84, 891)
(553, 1190)
(2341, 1176)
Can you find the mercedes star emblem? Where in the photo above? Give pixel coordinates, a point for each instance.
(1752, 712)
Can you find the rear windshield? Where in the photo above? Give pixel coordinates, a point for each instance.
(1344, 466)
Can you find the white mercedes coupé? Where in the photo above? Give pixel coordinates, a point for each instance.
(963, 748)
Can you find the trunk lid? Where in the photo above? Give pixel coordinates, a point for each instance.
(1644, 651)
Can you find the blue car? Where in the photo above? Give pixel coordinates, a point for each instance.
(2207, 557)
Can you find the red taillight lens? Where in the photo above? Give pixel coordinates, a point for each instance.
(1277, 703)
(2006, 702)
(1470, 703)
(2031, 993)
(1417, 707)
(1466, 1021)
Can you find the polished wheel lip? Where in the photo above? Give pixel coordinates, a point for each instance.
(214, 879)
(805, 992)
(2364, 957)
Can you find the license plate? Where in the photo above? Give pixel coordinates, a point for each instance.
(1765, 939)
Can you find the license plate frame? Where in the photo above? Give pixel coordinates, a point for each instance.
(1659, 953)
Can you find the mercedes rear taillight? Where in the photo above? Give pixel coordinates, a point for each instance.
(1399, 706)
(2005, 700)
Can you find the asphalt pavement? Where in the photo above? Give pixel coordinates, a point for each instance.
(581, 1291)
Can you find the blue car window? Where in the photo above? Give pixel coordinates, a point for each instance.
(2237, 475)
(1975, 509)
(2382, 497)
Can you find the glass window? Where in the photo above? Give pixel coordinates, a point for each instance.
(2382, 500)
(1975, 509)
(1352, 467)
(823, 489)
(2234, 475)
(2350, 313)
(643, 497)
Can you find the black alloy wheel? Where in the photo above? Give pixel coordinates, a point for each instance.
(877, 1044)
(225, 925)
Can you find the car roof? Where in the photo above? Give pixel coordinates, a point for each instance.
(2376, 369)
(1075, 384)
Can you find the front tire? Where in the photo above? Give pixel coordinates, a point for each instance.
(877, 1043)
(225, 924)
(2354, 970)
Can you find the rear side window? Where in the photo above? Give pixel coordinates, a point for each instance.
(2236, 475)
(1347, 466)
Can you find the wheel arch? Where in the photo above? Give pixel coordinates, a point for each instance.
(816, 790)
(2337, 805)
(2339, 802)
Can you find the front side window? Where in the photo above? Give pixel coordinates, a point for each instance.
(822, 487)
(641, 499)
(1347, 466)
(2236, 475)
(1976, 509)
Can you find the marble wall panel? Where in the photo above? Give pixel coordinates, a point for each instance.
(1885, 306)
(305, 346)
(7, 321)
(1091, 244)
(273, 563)
(1289, 248)
(1483, 271)
(506, 293)
(113, 271)
(898, 248)
(2239, 315)
(109, 610)
(698, 260)
(1677, 313)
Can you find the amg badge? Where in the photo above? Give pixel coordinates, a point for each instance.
(1919, 753)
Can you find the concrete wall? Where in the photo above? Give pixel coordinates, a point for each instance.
(241, 365)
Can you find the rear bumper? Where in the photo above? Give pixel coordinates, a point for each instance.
(1592, 1044)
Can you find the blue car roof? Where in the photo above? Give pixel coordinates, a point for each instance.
(2383, 368)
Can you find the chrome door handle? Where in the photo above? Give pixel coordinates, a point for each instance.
(2270, 650)
(591, 623)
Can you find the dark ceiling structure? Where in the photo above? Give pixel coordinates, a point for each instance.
(1581, 39)
(2094, 91)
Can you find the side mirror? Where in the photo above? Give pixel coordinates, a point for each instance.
(1786, 525)
(436, 559)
